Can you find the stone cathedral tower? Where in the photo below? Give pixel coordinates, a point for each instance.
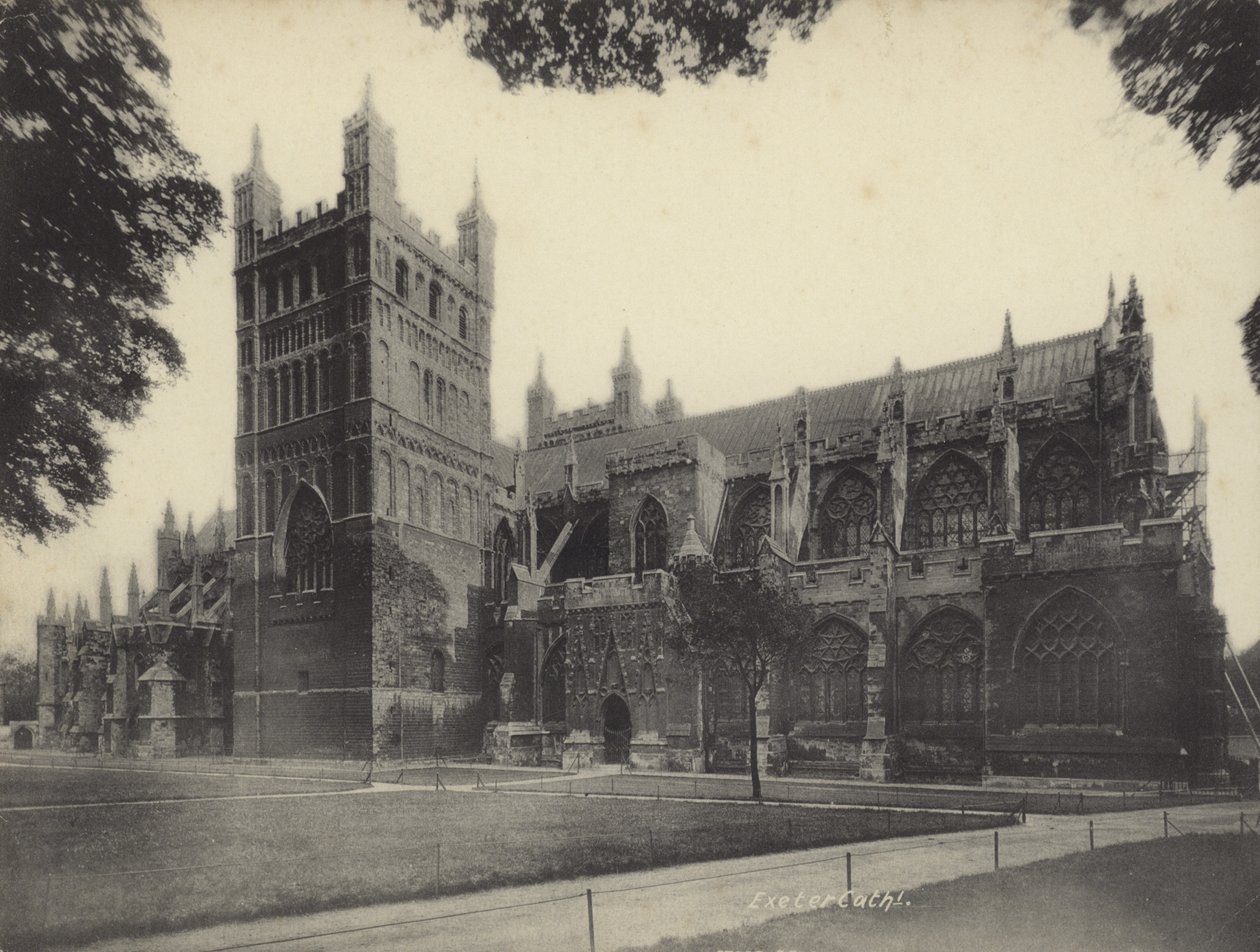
(365, 467)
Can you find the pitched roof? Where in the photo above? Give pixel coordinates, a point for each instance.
(1045, 369)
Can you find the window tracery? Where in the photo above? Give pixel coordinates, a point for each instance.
(308, 544)
(847, 516)
(1059, 491)
(950, 504)
(829, 687)
(651, 537)
(1068, 664)
(942, 670)
(750, 522)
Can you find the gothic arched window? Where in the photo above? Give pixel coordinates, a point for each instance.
(829, 685)
(950, 504)
(1068, 664)
(362, 480)
(245, 506)
(847, 516)
(403, 484)
(651, 537)
(1059, 488)
(749, 522)
(463, 323)
(385, 483)
(359, 365)
(942, 670)
(504, 553)
(594, 547)
(358, 254)
(247, 404)
(437, 671)
(435, 302)
(402, 278)
(420, 501)
(308, 543)
(428, 397)
(269, 501)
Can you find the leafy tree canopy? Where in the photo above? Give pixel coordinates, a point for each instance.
(744, 624)
(20, 687)
(604, 43)
(101, 203)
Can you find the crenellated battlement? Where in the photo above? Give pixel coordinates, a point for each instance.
(608, 591)
(680, 452)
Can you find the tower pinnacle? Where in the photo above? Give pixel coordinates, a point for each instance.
(255, 150)
(1008, 341)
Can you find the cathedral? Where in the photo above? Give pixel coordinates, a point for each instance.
(1008, 572)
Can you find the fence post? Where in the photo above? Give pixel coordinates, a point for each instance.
(1165, 824)
(995, 849)
(1242, 823)
(789, 819)
(1080, 808)
(1091, 834)
(848, 872)
(590, 918)
(889, 821)
(47, 895)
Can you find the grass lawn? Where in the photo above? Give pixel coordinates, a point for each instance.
(41, 786)
(878, 795)
(1194, 892)
(100, 871)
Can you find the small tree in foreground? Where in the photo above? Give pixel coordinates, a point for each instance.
(743, 624)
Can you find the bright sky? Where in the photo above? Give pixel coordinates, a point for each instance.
(892, 188)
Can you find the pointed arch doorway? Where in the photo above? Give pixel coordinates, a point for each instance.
(616, 718)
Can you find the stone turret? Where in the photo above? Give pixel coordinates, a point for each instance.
(476, 242)
(369, 168)
(106, 608)
(133, 594)
(540, 405)
(220, 532)
(669, 408)
(627, 388)
(256, 209)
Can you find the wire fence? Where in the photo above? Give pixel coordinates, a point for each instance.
(884, 796)
(584, 920)
(266, 877)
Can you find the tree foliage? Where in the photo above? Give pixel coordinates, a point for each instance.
(102, 201)
(745, 624)
(598, 44)
(20, 687)
(1196, 64)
